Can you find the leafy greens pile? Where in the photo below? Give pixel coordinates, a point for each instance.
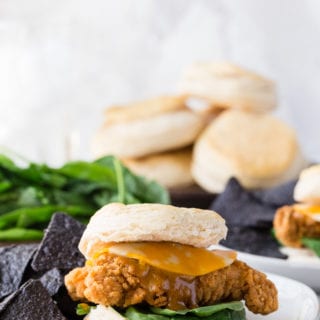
(30, 195)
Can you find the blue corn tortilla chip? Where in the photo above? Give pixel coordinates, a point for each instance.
(53, 280)
(59, 246)
(14, 260)
(254, 241)
(277, 196)
(32, 301)
(249, 216)
(243, 208)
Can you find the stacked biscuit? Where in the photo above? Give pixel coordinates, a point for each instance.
(227, 86)
(153, 138)
(234, 133)
(257, 149)
(245, 141)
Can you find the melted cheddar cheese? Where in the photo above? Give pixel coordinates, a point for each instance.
(173, 257)
(313, 211)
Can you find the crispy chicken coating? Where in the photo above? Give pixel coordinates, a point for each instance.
(291, 226)
(119, 281)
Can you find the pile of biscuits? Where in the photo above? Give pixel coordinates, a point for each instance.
(220, 126)
(153, 138)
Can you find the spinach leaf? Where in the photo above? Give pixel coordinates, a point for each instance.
(135, 314)
(6, 162)
(138, 189)
(90, 172)
(313, 244)
(33, 216)
(5, 185)
(29, 195)
(223, 311)
(202, 311)
(83, 309)
(20, 234)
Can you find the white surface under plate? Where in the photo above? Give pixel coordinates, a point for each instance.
(296, 301)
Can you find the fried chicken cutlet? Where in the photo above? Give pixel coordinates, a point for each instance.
(113, 280)
(291, 226)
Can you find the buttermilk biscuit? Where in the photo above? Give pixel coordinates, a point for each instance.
(170, 169)
(229, 86)
(147, 127)
(307, 188)
(151, 222)
(257, 149)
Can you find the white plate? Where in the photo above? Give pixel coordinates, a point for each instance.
(303, 270)
(296, 301)
(300, 268)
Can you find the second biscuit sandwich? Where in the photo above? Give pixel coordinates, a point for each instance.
(298, 225)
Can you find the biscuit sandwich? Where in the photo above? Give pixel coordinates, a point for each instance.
(153, 260)
(147, 127)
(298, 225)
(257, 149)
(225, 85)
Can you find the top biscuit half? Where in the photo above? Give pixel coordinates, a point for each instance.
(151, 222)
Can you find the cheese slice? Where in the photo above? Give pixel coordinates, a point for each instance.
(313, 211)
(173, 257)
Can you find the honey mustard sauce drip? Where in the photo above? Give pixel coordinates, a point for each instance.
(179, 290)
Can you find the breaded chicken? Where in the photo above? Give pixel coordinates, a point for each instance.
(291, 226)
(119, 281)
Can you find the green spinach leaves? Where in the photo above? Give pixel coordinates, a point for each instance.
(30, 195)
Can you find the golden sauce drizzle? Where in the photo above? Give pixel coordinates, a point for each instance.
(181, 289)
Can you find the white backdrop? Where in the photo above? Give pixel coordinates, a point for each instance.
(62, 62)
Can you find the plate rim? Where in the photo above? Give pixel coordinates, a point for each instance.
(274, 276)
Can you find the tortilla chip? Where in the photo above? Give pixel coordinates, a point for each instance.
(249, 217)
(32, 301)
(53, 280)
(59, 246)
(14, 260)
(254, 241)
(277, 196)
(243, 208)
